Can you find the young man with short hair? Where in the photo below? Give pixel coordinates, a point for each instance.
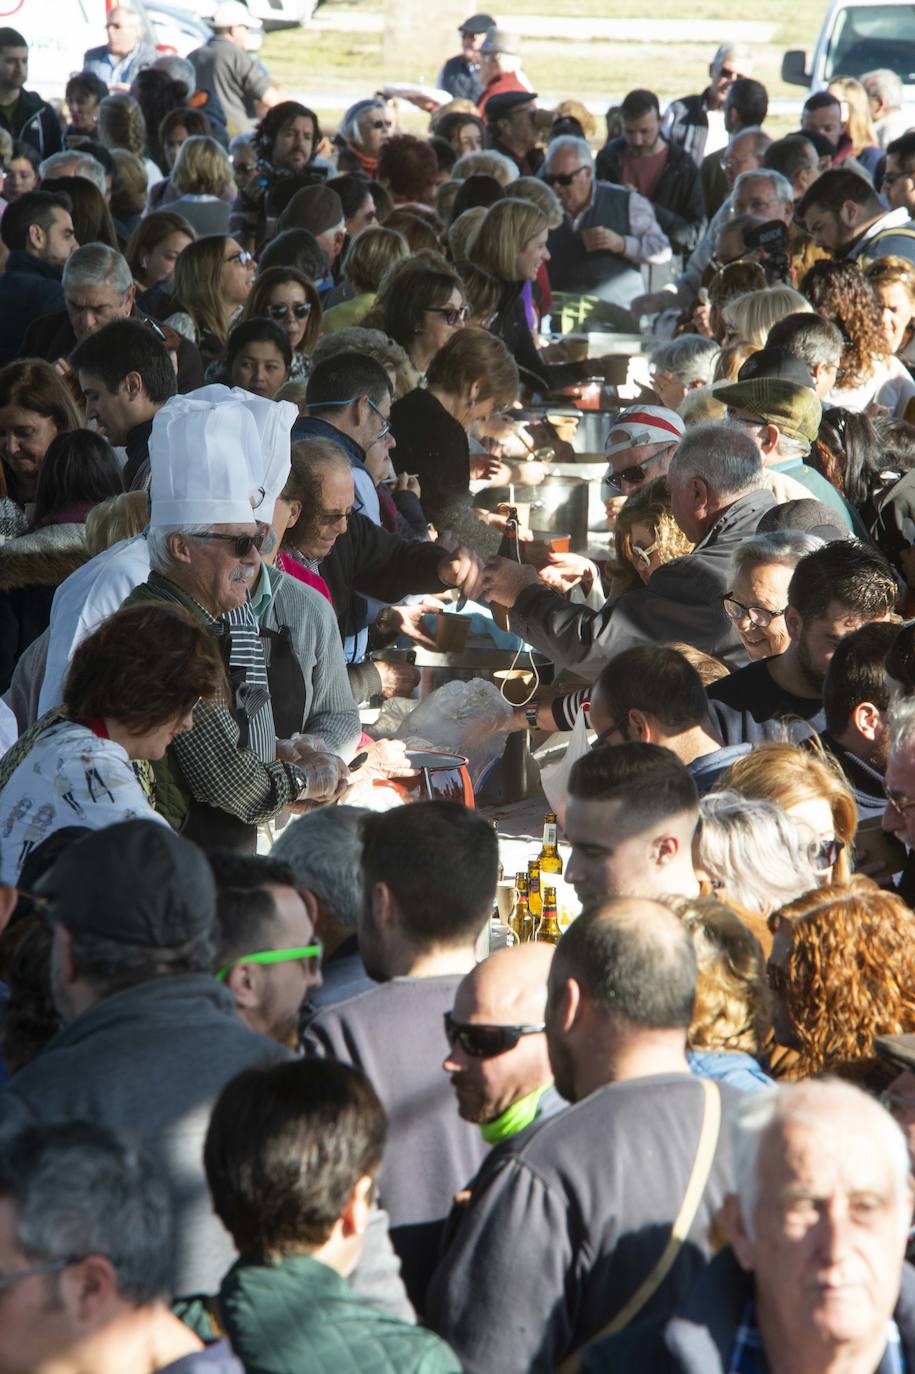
(856, 696)
(126, 376)
(24, 114)
(37, 228)
(844, 216)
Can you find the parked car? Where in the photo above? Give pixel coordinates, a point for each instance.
(856, 38)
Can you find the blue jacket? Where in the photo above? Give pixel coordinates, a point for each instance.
(739, 1070)
(29, 288)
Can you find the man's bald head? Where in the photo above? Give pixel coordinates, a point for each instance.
(633, 959)
(507, 989)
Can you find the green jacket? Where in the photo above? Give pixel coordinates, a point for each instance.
(300, 1315)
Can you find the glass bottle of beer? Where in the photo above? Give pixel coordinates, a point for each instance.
(508, 548)
(549, 931)
(534, 897)
(550, 861)
(521, 916)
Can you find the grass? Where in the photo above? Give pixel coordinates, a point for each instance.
(305, 60)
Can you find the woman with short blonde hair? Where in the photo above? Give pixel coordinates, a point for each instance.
(369, 256)
(508, 229)
(201, 176)
(749, 318)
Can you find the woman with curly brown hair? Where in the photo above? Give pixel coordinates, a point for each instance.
(645, 536)
(842, 970)
(839, 291)
(732, 1011)
(131, 688)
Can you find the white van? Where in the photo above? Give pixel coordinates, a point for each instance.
(857, 36)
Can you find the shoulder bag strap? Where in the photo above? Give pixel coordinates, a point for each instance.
(695, 1188)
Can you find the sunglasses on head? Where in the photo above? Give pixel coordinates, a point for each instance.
(242, 544)
(825, 854)
(564, 178)
(485, 1042)
(301, 310)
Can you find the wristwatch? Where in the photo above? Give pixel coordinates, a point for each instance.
(530, 714)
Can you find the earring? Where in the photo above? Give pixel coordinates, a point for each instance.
(144, 263)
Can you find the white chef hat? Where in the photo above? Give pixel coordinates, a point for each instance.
(274, 420)
(202, 458)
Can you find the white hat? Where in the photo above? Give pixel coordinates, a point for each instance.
(644, 425)
(201, 460)
(274, 420)
(233, 14)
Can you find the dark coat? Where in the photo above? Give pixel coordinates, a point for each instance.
(29, 288)
(699, 1337)
(370, 561)
(681, 602)
(677, 199)
(32, 567)
(52, 337)
(35, 122)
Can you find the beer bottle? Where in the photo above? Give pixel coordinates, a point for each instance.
(534, 897)
(508, 548)
(549, 931)
(521, 916)
(550, 862)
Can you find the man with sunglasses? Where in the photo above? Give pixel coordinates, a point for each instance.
(510, 119)
(575, 1212)
(832, 592)
(149, 1036)
(497, 1058)
(640, 445)
(696, 123)
(606, 233)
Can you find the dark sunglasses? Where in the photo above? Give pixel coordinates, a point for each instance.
(564, 178)
(485, 1042)
(301, 310)
(242, 544)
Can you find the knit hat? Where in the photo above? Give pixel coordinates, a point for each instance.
(137, 883)
(644, 425)
(274, 420)
(793, 408)
(315, 208)
(205, 463)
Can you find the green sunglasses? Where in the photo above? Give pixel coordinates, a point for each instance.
(276, 956)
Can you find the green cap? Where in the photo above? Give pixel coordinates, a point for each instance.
(795, 409)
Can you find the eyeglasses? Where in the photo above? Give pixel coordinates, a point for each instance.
(634, 474)
(54, 1267)
(899, 801)
(381, 124)
(311, 954)
(485, 1042)
(728, 74)
(565, 178)
(328, 518)
(301, 310)
(331, 405)
(451, 316)
(824, 855)
(618, 727)
(759, 616)
(385, 423)
(242, 256)
(242, 544)
(644, 555)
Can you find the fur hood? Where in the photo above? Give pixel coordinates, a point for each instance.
(42, 558)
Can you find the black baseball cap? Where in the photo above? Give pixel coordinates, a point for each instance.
(499, 106)
(137, 883)
(809, 516)
(478, 23)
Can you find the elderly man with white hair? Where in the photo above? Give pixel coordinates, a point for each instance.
(696, 122)
(223, 778)
(607, 231)
(73, 163)
(813, 1280)
(99, 288)
(884, 97)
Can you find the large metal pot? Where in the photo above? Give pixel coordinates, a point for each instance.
(559, 505)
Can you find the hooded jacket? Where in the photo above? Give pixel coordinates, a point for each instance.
(682, 601)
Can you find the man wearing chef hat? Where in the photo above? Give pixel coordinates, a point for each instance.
(203, 542)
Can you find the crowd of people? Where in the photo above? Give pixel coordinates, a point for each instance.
(276, 1092)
